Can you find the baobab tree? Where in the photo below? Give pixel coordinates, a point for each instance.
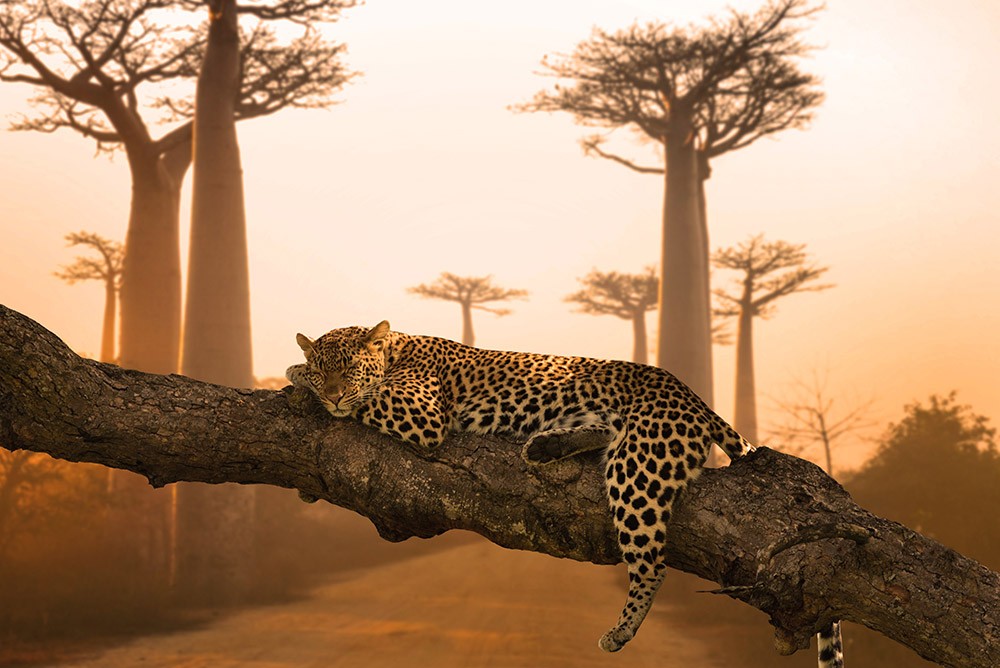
(110, 70)
(769, 271)
(626, 296)
(812, 419)
(106, 268)
(471, 292)
(699, 92)
(216, 340)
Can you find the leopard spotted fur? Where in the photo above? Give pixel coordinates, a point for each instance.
(656, 432)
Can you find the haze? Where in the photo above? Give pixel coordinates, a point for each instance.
(423, 169)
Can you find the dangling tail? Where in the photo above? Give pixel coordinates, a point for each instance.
(831, 647)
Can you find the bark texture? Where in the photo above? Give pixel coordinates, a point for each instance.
(774, 530)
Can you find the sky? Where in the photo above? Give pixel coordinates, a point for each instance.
(422, 168)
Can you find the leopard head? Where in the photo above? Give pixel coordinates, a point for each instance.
(345, 366)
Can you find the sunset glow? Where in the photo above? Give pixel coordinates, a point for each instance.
(422, 169)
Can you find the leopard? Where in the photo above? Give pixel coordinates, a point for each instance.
(655, 433)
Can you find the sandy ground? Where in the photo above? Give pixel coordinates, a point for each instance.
(468, 603)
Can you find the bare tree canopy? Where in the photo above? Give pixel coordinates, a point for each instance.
(92, 63)
(471, 292)
(699, 91)
(769, 271)
(627, 296)
(774, 530)
(731, 81)
(814, 417)
(107, 268)
(617, 294)
(117, 71)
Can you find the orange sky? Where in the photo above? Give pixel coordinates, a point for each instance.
(422, 169)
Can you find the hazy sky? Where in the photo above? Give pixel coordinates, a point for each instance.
(422, 169)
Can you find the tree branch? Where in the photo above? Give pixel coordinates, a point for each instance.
(171, 428)
(592, 146)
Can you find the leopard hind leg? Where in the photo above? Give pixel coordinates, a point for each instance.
(553, 445)
(571, 435)
(641, 502)
(646, 571)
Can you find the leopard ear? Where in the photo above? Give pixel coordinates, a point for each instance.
(378, 332)
(305, 343)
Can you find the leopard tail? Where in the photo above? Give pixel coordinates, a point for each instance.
(831, 647)
(727, 438)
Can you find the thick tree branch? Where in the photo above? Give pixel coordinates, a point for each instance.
(725, 529)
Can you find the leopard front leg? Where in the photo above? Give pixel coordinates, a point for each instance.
(296, 376)
(410, 410)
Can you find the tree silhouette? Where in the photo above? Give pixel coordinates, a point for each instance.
(109, 69)
(699, 92)
(471, 292)
(626, 296)
(21, 473)
(770, 271)
(812, 419)
(107, 268)
(929, 466)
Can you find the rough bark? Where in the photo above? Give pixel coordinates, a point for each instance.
(685, 337)
(831, 558)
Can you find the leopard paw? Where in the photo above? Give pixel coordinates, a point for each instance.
(615, 639)
(542, 450)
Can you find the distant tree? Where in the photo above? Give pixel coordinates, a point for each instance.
(20, 473)
(770, 271)
(812, 419)
(626, 296)
(108, 69)
(699, 92)
(107, 268)
(471, 292)
(936, 470)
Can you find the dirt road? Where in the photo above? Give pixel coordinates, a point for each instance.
(468, 603)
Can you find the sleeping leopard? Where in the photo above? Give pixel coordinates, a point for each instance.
(655, 432)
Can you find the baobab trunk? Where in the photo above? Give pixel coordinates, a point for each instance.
(217, 313)
(150, 319)
(684, 346)
(151, 271)
(468, 336)
(640, 350)
(215, 527)
(704, 172)
(108, 330)
(745, 420)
